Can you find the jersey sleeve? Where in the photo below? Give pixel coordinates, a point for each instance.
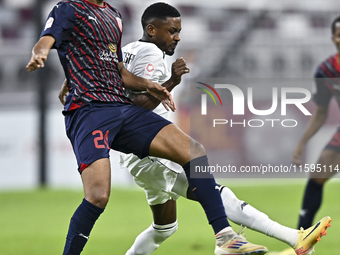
(60, 19)
(120, 25)
(323, 94)
(150, 67)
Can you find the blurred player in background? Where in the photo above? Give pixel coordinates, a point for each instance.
(164, 181)
(327, 85)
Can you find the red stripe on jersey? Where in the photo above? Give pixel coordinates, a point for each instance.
(326, 70)
(96, 36)
(120, 41)
(91, 62)
(74, 77)
(104, 25)
(79, 5)
(89, 24)
(99, 6)
(113, 18)
(85, 72)
(88, 57)
(336, 63)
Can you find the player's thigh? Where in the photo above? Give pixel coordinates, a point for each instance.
(173, 144)
(165, 213)
(157, 177)
(96, 180)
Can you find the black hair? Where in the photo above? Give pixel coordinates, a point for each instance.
(337, 20)
(159, 11)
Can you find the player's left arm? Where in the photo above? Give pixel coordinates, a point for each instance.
(178, 68)
(134, 82)
(40, 53)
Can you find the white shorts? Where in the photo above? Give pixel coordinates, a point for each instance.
(156, 176)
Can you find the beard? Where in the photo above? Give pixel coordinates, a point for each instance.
(170, 53)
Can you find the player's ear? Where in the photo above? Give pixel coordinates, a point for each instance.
(151, 30)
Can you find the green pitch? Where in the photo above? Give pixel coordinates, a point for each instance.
(35, 222)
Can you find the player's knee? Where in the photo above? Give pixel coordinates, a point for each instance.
(196, 149)
(100, 200)
(320, 181)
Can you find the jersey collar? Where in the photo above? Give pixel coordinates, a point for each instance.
(141, 40)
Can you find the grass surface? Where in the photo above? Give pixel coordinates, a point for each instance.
(36, 222)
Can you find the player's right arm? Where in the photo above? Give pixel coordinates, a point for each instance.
(59, 21)
(40, 53)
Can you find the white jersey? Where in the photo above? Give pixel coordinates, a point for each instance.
(145, 59)
(155, 175)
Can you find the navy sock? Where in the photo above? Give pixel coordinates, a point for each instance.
(80, 227)
(205, 193)
(311, 203)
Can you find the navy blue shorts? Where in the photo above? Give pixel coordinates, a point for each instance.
(334, 143)
(96, 127)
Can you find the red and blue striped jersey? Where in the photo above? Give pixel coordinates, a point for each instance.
(88, 41)
(327, 80)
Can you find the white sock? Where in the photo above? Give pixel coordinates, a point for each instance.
(149, 240)
(244, 214)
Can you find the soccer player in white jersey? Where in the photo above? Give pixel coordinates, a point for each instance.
(164, 181)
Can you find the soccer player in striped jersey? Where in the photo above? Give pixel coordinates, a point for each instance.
(164, 181)
(327, 80)
(100, 117)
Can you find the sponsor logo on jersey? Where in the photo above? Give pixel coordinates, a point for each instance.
(113, 47)
(128, 57)
(49, 23)
(110, 54)
(149, 69)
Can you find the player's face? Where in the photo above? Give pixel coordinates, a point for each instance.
(166, 35)
(336, 36)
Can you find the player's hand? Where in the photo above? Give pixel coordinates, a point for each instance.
(37, 61)
(63, 92)
(298, 154)
(40, 52)
(179, 67)
(162, 94)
